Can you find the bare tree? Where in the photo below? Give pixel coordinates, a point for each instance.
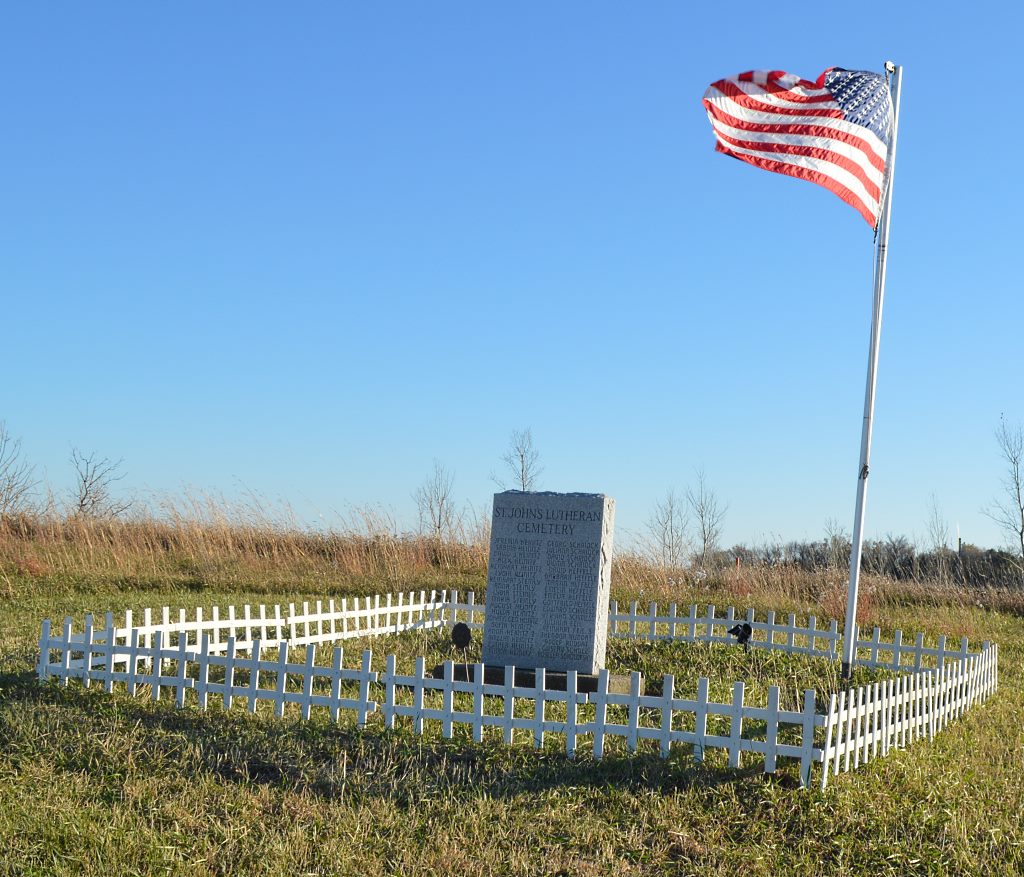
(837, 544)
(435, 503)
(1008, 511)
(95, 477)
(938, 536)
(17, 479)
(522, 461)
(667, 529)
(708, 512)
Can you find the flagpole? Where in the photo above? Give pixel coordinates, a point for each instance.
(882, 245)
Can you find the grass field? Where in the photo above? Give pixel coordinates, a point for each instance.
(98, 784)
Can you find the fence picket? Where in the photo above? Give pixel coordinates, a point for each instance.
(772, 731)
(307, 678)
(633, 710)
(700, 720)
(831, 720)
(667, 696)
(539, 702)
(478, 702)
(736, 725)
(570, 713)
(807, 752)
(182, 680)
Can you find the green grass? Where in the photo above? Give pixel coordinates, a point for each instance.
(98, 784)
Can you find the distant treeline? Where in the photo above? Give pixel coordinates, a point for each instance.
(894, 557)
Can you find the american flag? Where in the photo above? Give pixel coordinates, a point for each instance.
(834, 132)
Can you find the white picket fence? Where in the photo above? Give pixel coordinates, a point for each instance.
(224, 658)
(866, 722)
(707, 627)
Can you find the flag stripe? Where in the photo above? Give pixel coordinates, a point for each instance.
(827, 154)
(752, 100)
(782, 96)
(823, 174)
(819, 138)
(768, 121)
(832, 132)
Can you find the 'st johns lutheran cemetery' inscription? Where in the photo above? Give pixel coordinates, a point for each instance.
(548, 580)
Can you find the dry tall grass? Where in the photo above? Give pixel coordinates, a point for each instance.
(199, 541)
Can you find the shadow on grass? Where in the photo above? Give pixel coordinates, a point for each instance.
(86, 730)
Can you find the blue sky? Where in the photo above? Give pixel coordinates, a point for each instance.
(305, 252)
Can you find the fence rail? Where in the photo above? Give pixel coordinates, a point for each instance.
(227, 657)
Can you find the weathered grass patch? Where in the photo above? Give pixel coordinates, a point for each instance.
(99, 784)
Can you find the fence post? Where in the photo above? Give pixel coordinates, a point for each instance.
(133, 661)
(667, 696)
(417, 695)
(772, 730)
(849, 738)
(43, 667)
(204, 671)
(215, 627)
(254, 675)
(181, 677)
(229, 672)
(886, 715)
(709, 621)
(158, 661)
(539, 704)
(279, 623)
(388, 709)
(831, 721)
(634, 710)
(87, 652)
(282, 675)
(570, 713)
(600, 700)
(509, 704)
(876, 638)
(447, 696)
(337, 663)
(807, 741)
(110, 638)
(700, 719)
(736, 724)
(307, 677)
(478, 702)
(366, 676)
(841, 735)
(918, 651)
